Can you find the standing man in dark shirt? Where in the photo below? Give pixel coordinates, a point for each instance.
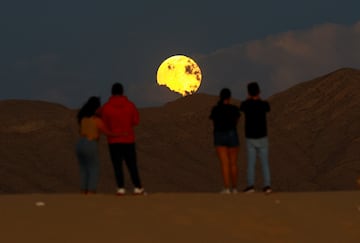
(255, 111)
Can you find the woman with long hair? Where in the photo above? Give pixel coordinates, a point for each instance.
(225, 117)
(90, 128)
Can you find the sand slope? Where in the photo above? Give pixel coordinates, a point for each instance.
(314, 137)
(197, 217)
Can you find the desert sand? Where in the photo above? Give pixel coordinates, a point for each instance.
(181, 217)
(314, 164)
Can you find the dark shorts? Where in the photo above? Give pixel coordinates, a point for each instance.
(226, 138)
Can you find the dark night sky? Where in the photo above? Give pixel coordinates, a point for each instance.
(65, 51)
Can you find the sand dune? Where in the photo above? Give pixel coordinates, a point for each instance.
(313, 131)
(182, 217)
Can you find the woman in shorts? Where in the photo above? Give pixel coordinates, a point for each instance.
(225, 118)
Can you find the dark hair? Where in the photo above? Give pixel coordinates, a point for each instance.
(225, 94)
(253, 89)
(117, 89)
(89, 108)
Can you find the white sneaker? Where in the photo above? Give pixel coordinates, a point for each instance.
(139, 191)
(225, 191)
(121, 191)
(249, 189)
(267, 190)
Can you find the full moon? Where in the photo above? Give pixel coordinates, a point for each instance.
(180, 74)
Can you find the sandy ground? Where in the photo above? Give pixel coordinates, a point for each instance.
(193, 217)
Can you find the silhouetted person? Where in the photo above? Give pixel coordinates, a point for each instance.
(121, 115)
(225, 117)
(90, 126)
(255, 111)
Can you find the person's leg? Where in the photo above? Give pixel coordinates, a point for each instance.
(116, 155)
(82, 159)
(222, 153)
(83, 174)
(251, 157)
(233, 160)
(131, 163)
(264, 158)
(93, 167)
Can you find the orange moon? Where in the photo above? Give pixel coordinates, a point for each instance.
(180, 74)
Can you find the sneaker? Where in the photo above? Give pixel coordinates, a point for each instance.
(120, 192)
(225, 191)
(139, 191)
(267, 189)
(234, 191)
(249, 189)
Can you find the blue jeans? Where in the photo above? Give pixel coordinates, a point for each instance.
(88, 156)
(258, 147)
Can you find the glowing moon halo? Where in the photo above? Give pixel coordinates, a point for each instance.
(180, 74)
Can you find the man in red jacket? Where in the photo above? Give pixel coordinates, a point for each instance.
(120, 115)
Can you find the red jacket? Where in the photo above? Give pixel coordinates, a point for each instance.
(120, 115)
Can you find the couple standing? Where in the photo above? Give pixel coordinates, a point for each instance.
(116, 119)
(225, 117)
